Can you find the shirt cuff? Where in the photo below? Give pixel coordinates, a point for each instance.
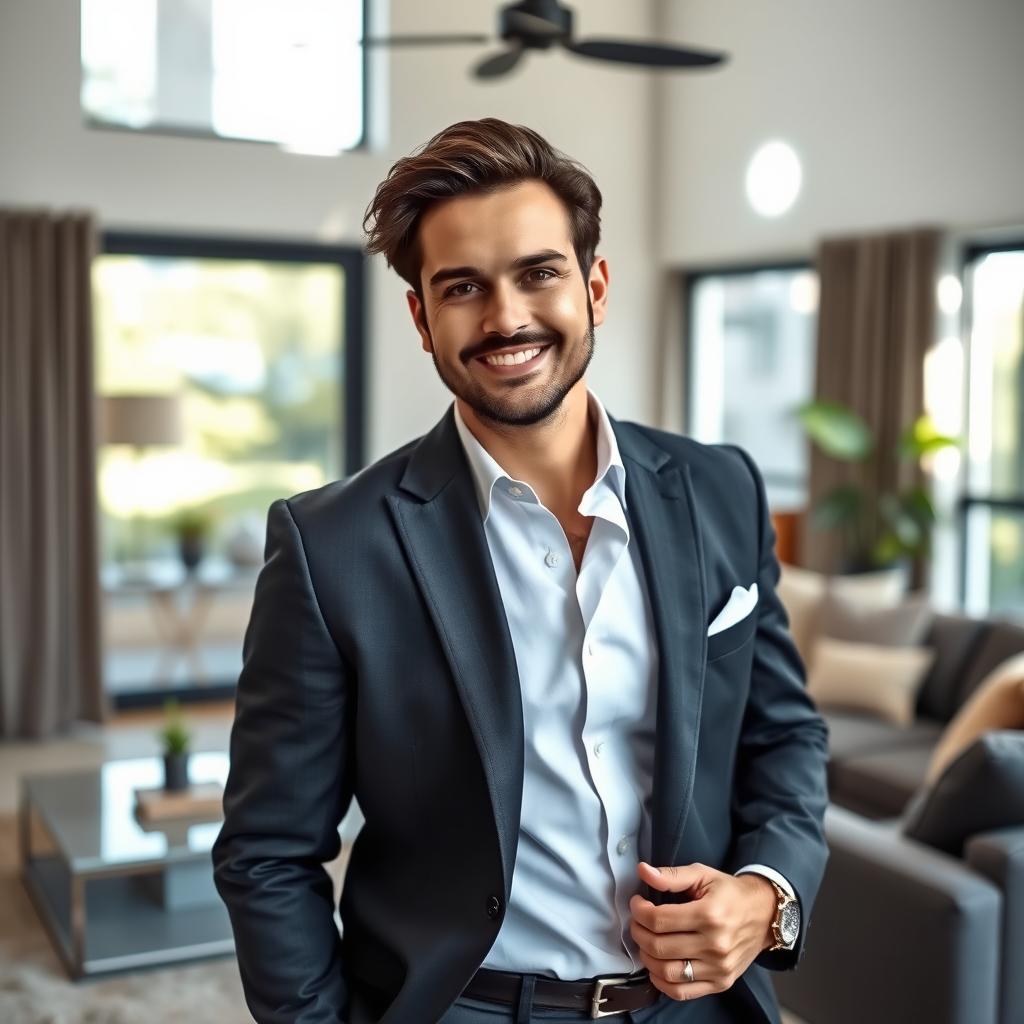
(763, 869)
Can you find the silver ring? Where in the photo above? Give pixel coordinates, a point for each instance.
(688, 970)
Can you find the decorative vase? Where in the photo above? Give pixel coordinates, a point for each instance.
(176, 771)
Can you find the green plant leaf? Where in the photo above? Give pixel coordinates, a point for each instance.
(886, 548)
(839, 507)
(921, 438)
(917, 503)
(836, 429)
(174, 735)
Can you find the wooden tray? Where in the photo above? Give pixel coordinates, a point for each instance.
(202, 800)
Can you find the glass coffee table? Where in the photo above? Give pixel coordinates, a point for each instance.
(114, 894)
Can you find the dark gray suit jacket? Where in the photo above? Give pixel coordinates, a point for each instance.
(378, 662)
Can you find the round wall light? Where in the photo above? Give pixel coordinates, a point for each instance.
(773, 178)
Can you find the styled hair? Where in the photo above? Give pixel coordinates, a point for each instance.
(475, 157)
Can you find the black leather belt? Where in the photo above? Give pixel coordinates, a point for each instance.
(600, 997)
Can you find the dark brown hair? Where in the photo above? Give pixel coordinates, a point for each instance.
(475, 157)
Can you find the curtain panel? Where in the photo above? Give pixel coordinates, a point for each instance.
(50, 645)
(876, 321)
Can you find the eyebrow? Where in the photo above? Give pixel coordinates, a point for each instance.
(520, 263)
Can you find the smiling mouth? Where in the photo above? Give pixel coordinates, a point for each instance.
(514, 360)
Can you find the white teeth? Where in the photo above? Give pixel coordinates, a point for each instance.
(511, 358)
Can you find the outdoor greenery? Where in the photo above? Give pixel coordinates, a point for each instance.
(255, 350)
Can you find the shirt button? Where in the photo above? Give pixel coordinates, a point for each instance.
(551, 559)
(493, 906)
(598, 748)
(623, 845)
(516, 492)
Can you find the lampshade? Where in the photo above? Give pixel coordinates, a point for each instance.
(140, 419)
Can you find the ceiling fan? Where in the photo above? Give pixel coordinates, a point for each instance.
(540, 24)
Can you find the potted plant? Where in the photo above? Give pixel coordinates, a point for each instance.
(176, 740)
(192, 527)
(897, 527)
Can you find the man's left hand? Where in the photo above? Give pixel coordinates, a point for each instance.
(726, 924)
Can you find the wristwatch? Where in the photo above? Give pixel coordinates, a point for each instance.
(786, 926)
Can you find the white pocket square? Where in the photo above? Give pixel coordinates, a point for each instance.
(741, 603)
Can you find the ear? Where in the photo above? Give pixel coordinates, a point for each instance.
(416, 309)
(598, 286)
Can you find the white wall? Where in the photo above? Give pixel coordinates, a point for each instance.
(902, 112)
(601, 115)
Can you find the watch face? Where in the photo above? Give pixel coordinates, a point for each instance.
(790, 926)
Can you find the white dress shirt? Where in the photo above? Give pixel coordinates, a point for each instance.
(586, 653)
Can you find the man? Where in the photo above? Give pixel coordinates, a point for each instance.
(542, 648)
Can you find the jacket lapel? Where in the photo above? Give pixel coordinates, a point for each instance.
(438, 522)
(439, 525)
(662, 516)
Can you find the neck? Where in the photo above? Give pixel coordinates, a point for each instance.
(556, 457)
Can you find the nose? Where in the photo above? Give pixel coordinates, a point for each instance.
(505, 312)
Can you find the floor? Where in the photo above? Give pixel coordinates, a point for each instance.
(130, 734)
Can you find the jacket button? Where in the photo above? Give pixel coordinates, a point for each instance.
(493, 906)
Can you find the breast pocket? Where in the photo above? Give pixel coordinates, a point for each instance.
(734, 637)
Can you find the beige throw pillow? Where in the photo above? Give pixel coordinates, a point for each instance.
(997, 703)
(802, 593)
(874, 678)
(900, 625)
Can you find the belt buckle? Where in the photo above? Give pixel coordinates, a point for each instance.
(600, 984)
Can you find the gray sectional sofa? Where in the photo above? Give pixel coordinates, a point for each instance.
(876, 766)
(903, 932)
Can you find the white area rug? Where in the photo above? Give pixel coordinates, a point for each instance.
(34, 988)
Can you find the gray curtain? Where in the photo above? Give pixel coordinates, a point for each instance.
(876, 319)
(50, 659)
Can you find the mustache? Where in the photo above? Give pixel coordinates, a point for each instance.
(489, 345)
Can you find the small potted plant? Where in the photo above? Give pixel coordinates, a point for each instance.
(192, 527)
(176, 740)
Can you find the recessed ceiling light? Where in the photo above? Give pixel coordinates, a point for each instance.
(773, 179)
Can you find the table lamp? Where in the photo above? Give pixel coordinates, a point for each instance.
(140, 421)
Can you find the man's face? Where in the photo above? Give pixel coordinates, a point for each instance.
(500, 279)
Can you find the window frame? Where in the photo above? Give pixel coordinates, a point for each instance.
(970, 254)
(180, 132)
(353, 387)
(692, 276)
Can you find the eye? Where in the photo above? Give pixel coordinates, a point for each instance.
(543, 270)
(462, 284)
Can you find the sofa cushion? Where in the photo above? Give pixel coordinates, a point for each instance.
(955, 640)
(1001, 641)
(874, 678)
(880, 782)
(981, 789)
(997, 703)
(854, 732)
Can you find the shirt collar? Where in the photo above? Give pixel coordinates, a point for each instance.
(487, 472)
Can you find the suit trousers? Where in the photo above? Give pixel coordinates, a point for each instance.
(721, 1008)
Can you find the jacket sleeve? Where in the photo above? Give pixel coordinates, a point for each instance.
(288, 787)
(781, 791)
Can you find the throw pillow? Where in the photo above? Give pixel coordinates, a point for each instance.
(900, 625)
(998, 703)
(980, 789)
(880, 680)
(802, 592)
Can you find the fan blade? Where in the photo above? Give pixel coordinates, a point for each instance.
(498, 64)
(532, 24)
(423, 40)
(649, 54)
